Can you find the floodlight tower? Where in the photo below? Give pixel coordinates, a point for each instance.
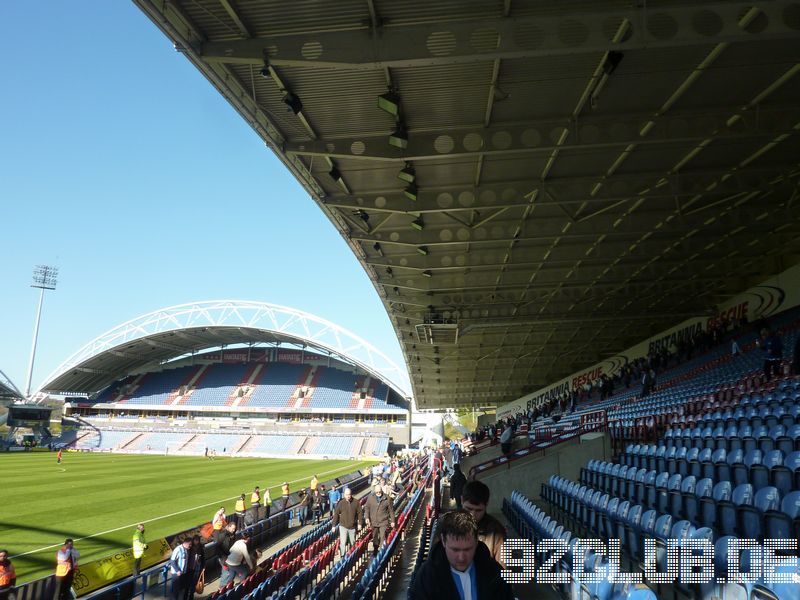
(44, 278)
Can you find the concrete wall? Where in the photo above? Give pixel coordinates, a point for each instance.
(528, 474)
(489, 453)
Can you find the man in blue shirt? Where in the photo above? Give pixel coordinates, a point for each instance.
(460, 567)
(334, 495)
(177, 569)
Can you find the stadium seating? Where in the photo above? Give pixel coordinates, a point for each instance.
(274, 386)
(232, 444)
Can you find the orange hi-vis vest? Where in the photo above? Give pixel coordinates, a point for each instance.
(240, 505)
(7, 574)
(285, 489)
(219, 522)
(63, 567)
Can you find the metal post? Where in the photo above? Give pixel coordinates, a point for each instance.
(33, 348)
(44, 278)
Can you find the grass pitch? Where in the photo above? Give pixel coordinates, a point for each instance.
(101, 497)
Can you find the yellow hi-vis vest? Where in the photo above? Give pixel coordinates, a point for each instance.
(255, 498)
(285, 489)
(240, 505)
(138, 544)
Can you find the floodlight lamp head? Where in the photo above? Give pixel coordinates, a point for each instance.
(399, 139)
(390, 103)
(335, 174)
(265, 73)
(408, 174)
(293, 102)
(427, 274)
(422, 250)
(411, 192)
(418, 224)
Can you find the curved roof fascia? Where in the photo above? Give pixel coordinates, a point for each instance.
(249, 320)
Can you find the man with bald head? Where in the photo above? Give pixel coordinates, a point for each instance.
(379, 515)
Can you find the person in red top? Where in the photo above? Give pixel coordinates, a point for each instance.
(8, 576)
(58, 457)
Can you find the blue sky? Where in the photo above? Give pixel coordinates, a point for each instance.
(120, 164)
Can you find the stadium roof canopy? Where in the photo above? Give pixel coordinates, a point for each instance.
(178, 331)
(547, 183)
(8, 391)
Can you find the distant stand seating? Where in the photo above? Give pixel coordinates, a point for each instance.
(259, 385)
(231, 444)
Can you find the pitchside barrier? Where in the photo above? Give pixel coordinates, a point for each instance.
(110, 578)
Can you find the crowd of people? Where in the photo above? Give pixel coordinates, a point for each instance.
(466, 556)
(644, 372)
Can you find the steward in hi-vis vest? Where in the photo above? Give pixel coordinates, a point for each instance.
(8, 576)
(138, 548)
(66, 561)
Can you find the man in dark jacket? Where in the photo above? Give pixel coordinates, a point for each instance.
(457, 482)
(347, 517)
(379, 515)
(223, 540)
(459, 566)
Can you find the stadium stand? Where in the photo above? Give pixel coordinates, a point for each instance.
(231, 444)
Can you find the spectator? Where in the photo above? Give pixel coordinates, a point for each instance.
(239, 561)
(348, 517)
(459, 566)
(796, 357)
(475, 499)
(313, 484)
(379, 515)
(66, 561)
(223, 540)
(334, 495)
(218, 522)
(178, 564)
(196, 566)
(457, 482)
(306, 507)
(317, 504)
(505, 439)
(138, 548)
(396, 479)
(772, 346)
(8, 576)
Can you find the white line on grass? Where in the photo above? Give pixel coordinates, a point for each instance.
(180, 512)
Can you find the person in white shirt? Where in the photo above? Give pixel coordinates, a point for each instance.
(178, 562)
(239, 561)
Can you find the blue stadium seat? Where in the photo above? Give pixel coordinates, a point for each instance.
(784, 523)
(708, 506)
(691, 501)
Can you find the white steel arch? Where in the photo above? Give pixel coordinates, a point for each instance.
(305, 327)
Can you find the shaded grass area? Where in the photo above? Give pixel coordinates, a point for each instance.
(92, 495)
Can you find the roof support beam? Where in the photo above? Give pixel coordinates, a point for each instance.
(589, 133)
(522, 37)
